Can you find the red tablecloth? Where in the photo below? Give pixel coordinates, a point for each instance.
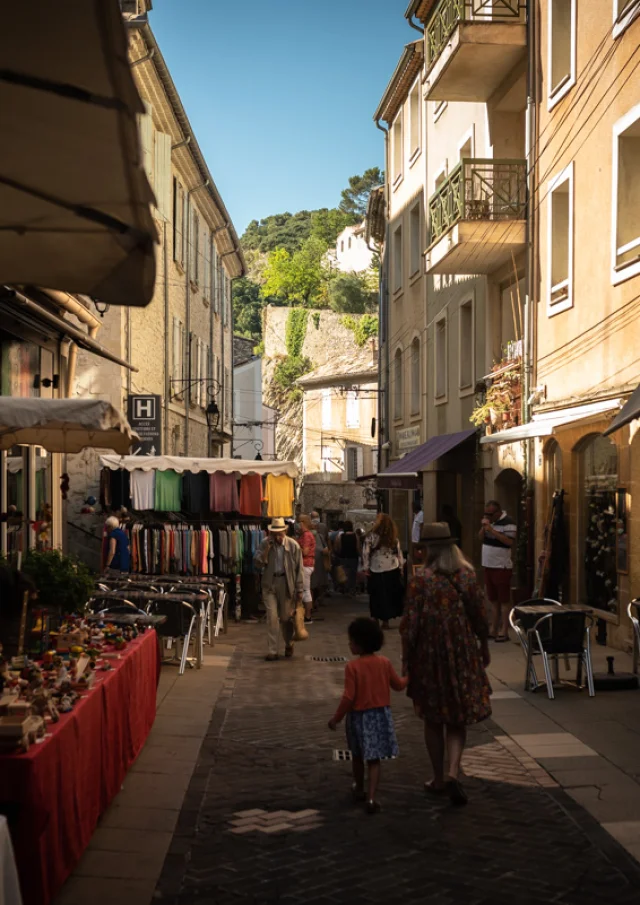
(54, 794)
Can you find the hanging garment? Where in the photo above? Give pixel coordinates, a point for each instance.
(223, 492)
(120, 489)
(167, 493)
(195, 493)
(280, 496)
(105, 488)
(143, 485)
(251, 495)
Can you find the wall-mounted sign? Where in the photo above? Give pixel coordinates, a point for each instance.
(145, 417)
(408, 438)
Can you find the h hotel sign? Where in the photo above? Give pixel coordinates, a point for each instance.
(145, 417)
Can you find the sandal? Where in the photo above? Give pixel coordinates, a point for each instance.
(457, 794)
(432, 789)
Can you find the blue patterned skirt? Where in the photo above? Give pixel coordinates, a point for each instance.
(370, 734)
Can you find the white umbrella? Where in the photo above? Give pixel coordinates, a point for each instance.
(64, 425)
(74, 198)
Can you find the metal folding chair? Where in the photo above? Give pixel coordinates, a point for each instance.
(521, 626)
(633, 612)
(180, 623)
(564, 633)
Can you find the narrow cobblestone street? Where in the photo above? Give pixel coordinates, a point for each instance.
(267, 817)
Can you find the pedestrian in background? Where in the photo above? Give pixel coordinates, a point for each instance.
(366, 704)
(418, 521)
(118, 550)
(319, 526)
(498, 536)
(321, 568)
(445, 651)
(383, 563)
(307, 544)
(279, 559)
(348, 550)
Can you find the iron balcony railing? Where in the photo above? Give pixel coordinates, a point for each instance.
(448, 14)
(479, 189)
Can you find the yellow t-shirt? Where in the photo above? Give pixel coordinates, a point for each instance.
(279, 495)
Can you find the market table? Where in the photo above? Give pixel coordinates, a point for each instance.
(9, 889)
(54, 794)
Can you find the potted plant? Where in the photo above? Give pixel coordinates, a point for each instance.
(64, 583)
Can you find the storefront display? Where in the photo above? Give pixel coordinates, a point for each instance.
(599, 472)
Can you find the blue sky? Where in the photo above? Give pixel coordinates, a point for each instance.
(281, 94)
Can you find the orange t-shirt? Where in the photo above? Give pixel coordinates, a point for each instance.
(367, 681)
(251, 495)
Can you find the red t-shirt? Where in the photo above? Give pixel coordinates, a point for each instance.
(251, 494)
(367, 681)
(308, 546)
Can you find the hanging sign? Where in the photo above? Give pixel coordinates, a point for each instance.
(145, 417)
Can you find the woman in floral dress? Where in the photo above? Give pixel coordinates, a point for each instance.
(445, 651)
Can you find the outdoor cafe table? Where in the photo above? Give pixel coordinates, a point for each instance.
(54, 793)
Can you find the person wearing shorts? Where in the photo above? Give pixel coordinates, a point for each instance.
(498, 536)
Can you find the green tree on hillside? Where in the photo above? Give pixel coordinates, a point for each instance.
(278, 231)
(328, 223)
(297, 278)
(356, 196)
(353, 293)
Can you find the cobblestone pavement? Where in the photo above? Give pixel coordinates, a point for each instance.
(267, 818)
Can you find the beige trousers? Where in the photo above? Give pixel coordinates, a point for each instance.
(278, 606)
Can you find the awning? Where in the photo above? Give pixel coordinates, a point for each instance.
(546, 423)
(74, 198)
(63, 425)
(196, 464)
(18, 300)
(629, 412)
(408, 466)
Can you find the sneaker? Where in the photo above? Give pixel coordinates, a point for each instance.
(271, 658)
(308, 621)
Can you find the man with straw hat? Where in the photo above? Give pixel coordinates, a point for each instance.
(279, 558)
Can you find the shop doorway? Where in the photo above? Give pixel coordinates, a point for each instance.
(509, 486)
(598, 483)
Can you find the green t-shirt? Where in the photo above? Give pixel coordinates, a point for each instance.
(167, 497)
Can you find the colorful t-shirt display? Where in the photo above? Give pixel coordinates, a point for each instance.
(143, 485)
(223, 492)
(167, 493)
(280, 496)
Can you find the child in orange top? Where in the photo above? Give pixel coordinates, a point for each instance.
(366, 703)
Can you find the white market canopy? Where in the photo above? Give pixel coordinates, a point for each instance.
(74, 198)
(63, 425)
(195, 464)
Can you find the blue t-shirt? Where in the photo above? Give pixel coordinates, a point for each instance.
(121, 558)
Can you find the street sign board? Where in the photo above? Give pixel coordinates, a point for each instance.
(145, 417)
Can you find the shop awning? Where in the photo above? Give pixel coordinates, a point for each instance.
(409, 466)
(196, 464)
(63, 425)
(546, 423)
(629, 412)
(74, 198)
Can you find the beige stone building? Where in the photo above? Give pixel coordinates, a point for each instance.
(181, 344)
(455, 250)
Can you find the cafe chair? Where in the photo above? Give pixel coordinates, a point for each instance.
(221, 603)
(633, 612)
(521, 623)
(564, 633)
(179, 626)
(107, 602)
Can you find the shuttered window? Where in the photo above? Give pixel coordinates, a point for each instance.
(162, 174)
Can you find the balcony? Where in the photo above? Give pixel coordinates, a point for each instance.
(478, 217)
(472, 46)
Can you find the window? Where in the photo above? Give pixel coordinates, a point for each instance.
(397, 259)
(162, 174)
(598, 481)
(552, 469)
(415, 376)
(349, 241)
(204, 373)
(438, 109)
(353, 409)
(626, 197)
(326, 457)
(215, 276)
(397, 385)
(441, 359)
(414, 121)
(342, 245)
(560, 242)
(177, 357)
(624, 13)
(206, 264)
(353, 463)
(145, 127)
(194, 367)
(178, 223)
(466, 347)
(396, 148)
(562, 49)
(415, 239)
(326, 409)
(194, 241)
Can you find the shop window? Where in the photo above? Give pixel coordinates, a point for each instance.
(598, 485)
(562, 49)
(560, 242)
(43, 523)
(626, 196)
(415, 377)
(397, 385)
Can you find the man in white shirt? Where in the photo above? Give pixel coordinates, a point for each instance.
(498, 536)
(418, 521)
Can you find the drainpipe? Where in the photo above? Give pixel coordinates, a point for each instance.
(384, 358)
(412, 24)
(144, 59)
(187, 274)
(168, 329)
